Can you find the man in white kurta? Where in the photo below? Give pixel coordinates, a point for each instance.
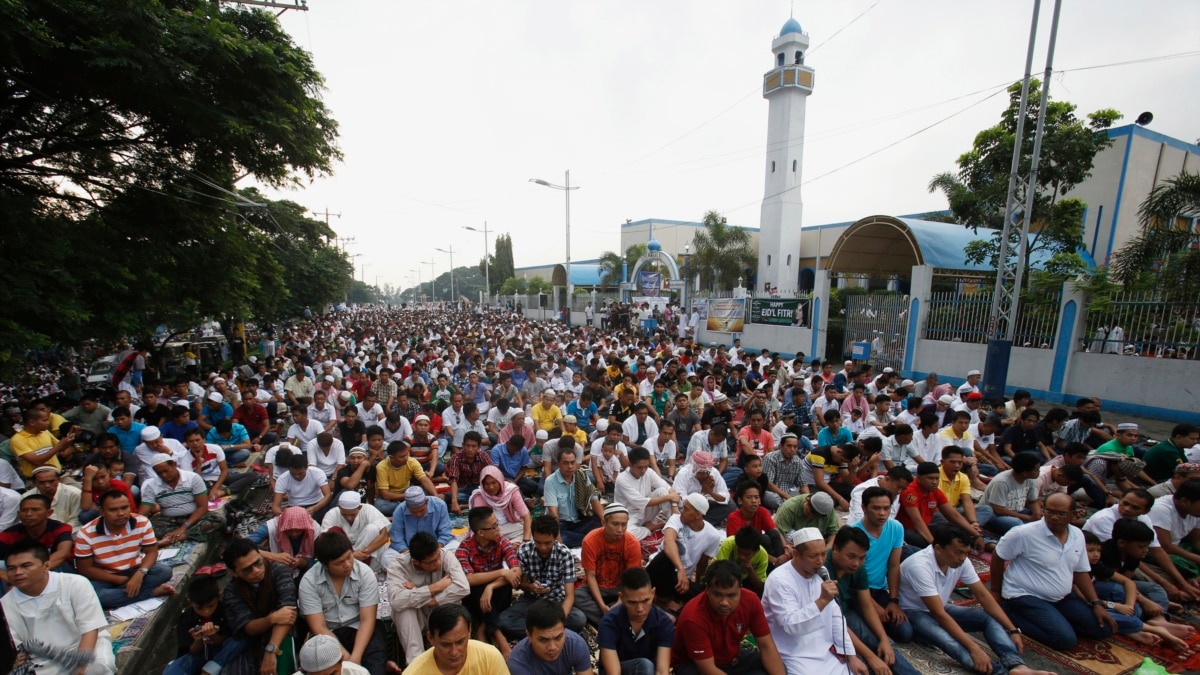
(59, 610)
(422, 578)
(803, 615)
(366, 527)
(647, 496)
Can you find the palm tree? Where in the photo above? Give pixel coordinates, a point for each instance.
(722, 253)
(1165, 250)
(611, 263)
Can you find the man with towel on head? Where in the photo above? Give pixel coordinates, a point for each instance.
(366, 527)
(699, 476)
(801, 610)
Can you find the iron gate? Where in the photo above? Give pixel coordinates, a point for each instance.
(881, 320)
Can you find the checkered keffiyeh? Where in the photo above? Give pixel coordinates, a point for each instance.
(554, 572)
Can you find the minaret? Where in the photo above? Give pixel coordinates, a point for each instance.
(787, 87)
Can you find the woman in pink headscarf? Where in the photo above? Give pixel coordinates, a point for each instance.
(939, 391)
(512, 515)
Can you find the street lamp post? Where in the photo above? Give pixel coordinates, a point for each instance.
(487, 270)
(432, 281)
(419, 282)
(566, 188)
(451, 252)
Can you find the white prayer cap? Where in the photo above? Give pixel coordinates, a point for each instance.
(805, 535)
(349, 500)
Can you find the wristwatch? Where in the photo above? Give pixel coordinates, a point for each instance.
(1109, 604)
(144, 570)
(894, 600)
(1015, 631)
(270, 648)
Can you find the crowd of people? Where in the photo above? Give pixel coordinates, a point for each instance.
(678, 498)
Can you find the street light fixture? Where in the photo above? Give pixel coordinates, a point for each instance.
(566, 188)
(451, 252)
(487, 271)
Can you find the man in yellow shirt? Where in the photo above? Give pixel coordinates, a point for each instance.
(393, 476)
(957, 487)
(35, 445)
(546, 415)
(571, 428)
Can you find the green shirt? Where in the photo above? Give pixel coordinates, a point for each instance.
(728, 551)
(1115, 447)
(1162, 459)
(848, 584)
(790, 517)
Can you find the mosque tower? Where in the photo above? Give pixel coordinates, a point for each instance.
(787, 87)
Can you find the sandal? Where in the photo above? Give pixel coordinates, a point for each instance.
(205, 571)
(219, 570)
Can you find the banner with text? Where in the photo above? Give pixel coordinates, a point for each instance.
(650, 283)
(726, 315)
(772, 312)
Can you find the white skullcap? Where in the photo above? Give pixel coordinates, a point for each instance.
(160, 458)
(349, 500)
(805, 535)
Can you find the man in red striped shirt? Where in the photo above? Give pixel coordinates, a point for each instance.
(117, 552)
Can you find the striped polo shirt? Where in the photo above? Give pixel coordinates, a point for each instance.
(115, 551)
(178, 501)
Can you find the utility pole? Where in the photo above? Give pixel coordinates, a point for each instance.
(1006, 299)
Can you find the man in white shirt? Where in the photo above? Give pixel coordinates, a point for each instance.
(1176, 518)
(58, 610)
(894, 481)
(928, 577)
(689, 543)
(801, 610)
(153, 443)
(327, 453)
(663, 450)
(303, 429)
(305, 486)
(698, 476)
(1034, 568)
(639, 426)
(647, 496)
(367, 528)
(369, 410)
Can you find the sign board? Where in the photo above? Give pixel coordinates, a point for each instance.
(726, 315)
(775, 312)
(650, 283)
(860, 351)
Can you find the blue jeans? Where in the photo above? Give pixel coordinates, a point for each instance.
(1055, 623)
(1155, 593)
(573, 532)
(732, 474)
(235, 457)
(112, 595)
(386, 506)
(192, 664)
(991, 522)
(928, 630)
(637, 667)
(1114, 592)
(858, 626)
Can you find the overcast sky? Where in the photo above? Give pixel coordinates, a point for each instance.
(448, 108)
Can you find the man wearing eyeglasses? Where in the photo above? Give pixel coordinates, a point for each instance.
(1044, 559)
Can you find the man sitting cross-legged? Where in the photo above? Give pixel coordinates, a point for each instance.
(928, 578)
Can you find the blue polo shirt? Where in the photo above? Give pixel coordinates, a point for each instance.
(237, 436)
(129, 440)
(222, 413)
(509, 464)
(616, 634)
(575, 657)
(890, 537)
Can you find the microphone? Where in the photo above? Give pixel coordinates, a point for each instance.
(823, 573)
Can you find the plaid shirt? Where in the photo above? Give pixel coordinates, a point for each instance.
(385, 389)
(555, 572)
(803, 414)
(410, 412)
(475, 559)
(785, 475)
(464, 471)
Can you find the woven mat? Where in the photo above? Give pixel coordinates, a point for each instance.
(1116, 655)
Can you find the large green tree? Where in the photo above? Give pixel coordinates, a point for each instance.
(613, 264)
(977, 191)
(1165, 254)
(124, 125)
(722, 253)
(501, 263)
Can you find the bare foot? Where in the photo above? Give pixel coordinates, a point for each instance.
(1174, 607)
(1145, 638)
(165, 589)
(1026, 670)
(1179, 630)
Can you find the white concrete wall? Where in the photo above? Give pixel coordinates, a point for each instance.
(782, 339)
(1154, 383)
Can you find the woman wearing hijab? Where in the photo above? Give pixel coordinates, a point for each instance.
(512, 515)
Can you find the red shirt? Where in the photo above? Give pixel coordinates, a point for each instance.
(701, 633)
(926, 502)
(762, 521)
(255, 419)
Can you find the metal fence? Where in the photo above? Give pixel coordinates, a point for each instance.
(1143, 324)
(881, 320)
(964, 317)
